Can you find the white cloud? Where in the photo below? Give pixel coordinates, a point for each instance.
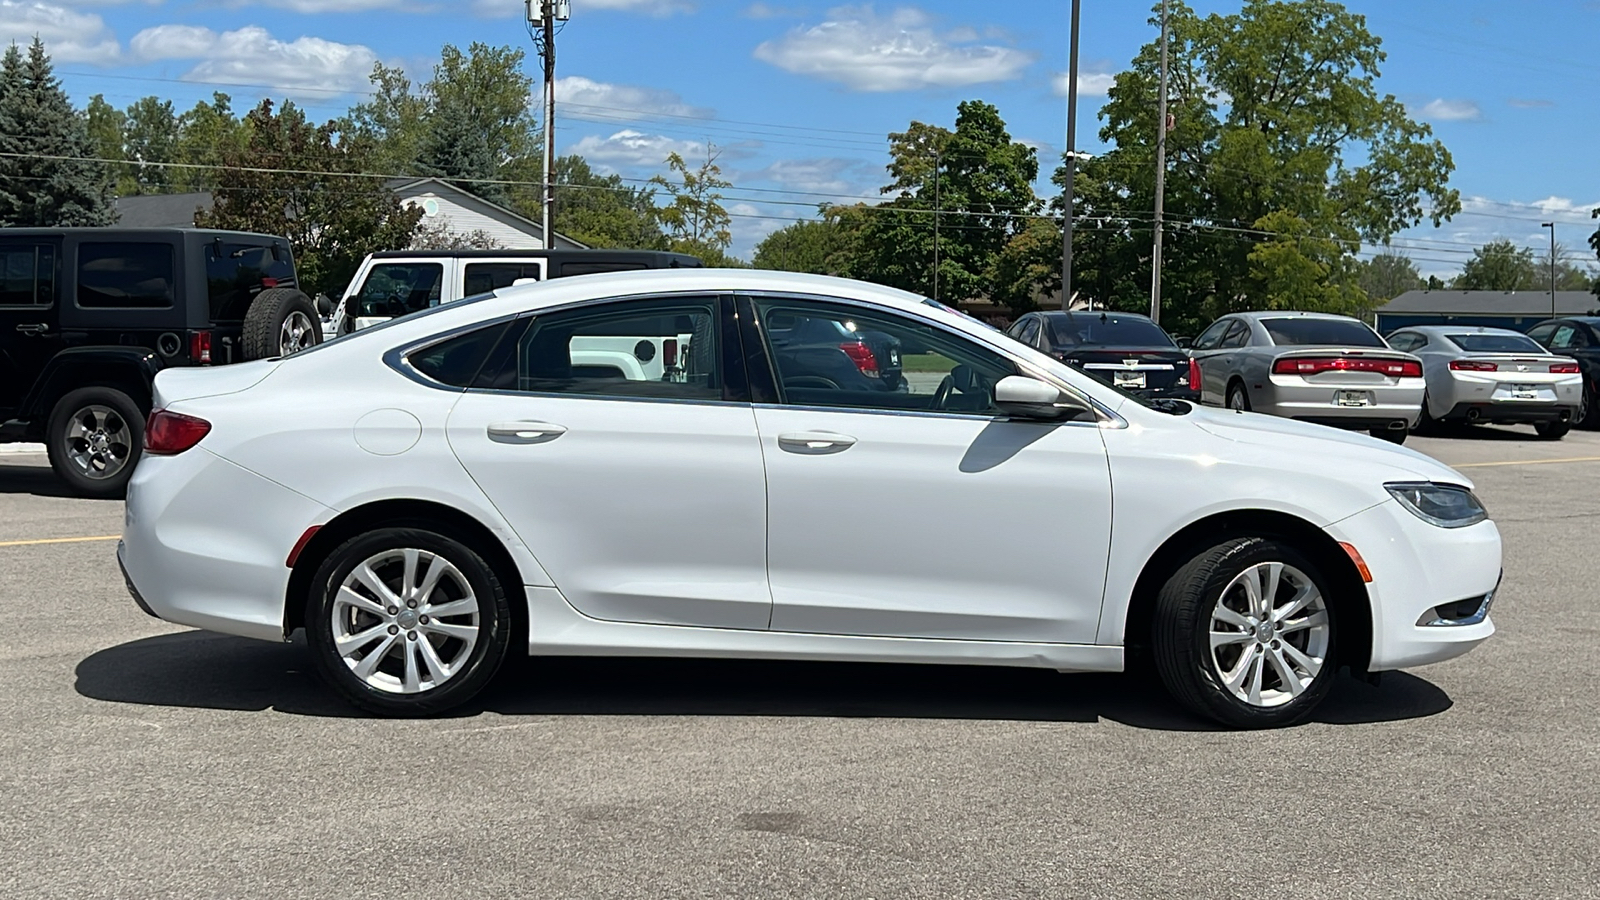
(635, 149)
(768, 11)
(68, 36)
(586, 98)
(341, 6)
(824, 175)
(1443, 110)
(1090, 84)
(1529, 103)
(656, 8)
(898, 52)
(251, 55)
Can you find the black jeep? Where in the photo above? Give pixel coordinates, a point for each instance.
(88, 316)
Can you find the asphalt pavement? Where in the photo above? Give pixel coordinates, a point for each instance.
(148, 760)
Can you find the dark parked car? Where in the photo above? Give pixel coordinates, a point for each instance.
(89, 315)
(1579, 338)
(832, 354)
(1125, 350)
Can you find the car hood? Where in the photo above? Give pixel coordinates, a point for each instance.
(1321, 445)
(194, 382)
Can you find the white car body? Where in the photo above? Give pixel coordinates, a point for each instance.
(677, 528)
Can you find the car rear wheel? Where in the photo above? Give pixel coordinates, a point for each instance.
(1392, 435)
(1245, 634)
(1552, 431)
(95, 436)
(406, 621)
(1238, 399)
(1589, 410)
(280, 322)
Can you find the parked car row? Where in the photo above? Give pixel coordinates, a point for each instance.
(1336, 370)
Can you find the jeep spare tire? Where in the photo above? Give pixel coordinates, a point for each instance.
(280, 322)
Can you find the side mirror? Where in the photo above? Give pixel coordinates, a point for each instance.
(1184, 342)
(324, 306)
(1019, 395)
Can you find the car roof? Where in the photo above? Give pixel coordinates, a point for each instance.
(1261, 314)
(1446, 330)
(672, 259)
(1091, 313)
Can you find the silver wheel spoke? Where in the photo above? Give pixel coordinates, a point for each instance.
(1310, 665)
(1236, 676)
(430, 580)
(364, 574)
(348, 596)
(1224, 638)
(1302, 598)
(409, 579)
(464, 606)
(351, 642)
(1267, 587)
(1224, 614)
(430, 658)
(1258, 667)
(464, 632)
(369, 663)
(1316, 620)
(413, 682)
(1286, 673)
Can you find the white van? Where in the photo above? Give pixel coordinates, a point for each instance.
(391, 284)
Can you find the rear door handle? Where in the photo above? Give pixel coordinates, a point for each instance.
(28, 328)
(815, 442)
(525, 432)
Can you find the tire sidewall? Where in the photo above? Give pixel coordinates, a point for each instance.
(1237, 390)
(494, 622)
(1194, 654)
(265, 317)
(64, 411)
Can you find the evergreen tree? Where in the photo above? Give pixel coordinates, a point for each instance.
(47, 174)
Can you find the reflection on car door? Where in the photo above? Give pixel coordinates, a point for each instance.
(642, 495)
(922, 513)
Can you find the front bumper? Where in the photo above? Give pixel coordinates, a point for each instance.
(1417, 568)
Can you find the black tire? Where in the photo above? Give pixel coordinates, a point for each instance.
(1181, 640)
(472, 669)
(1392, 435)
(1238, 398)
(1426, 423)
(280, 321)
(1589, 410)
(1552, 431)
(94, 438)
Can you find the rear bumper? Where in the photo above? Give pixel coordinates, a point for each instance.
(1511, 411)
(1387, 406)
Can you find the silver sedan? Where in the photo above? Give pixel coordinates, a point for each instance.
(1315, 367)
(1479, 374)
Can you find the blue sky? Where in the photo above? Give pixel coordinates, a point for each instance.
(800, 95)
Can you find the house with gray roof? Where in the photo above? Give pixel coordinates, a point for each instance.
(1517, 310)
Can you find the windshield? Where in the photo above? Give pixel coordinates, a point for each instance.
(1324, 332)
(1495, 343)
(1109, 330)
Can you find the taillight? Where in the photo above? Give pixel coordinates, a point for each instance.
(167, 432)
(1473, 365)
(1194, 373)
(1566, 368)
(669, 353)
(200, 346)
(268, 282)
(862, 356)
(1311, 365)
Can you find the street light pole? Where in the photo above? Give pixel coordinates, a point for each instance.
(936, 223)
(1161, 175)
(1072, 163)
(1552, 227)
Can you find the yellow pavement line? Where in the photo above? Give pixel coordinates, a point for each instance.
(70, 540)
(1524, 462)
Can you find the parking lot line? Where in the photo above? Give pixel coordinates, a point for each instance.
(1524, 462)
(65, 540)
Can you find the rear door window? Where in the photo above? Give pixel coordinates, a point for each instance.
(394, 289)
(1238, 336)
(483, 277)
(125, 275)
(27, 275)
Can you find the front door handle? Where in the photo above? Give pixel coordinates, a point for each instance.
(33, 328)
(815, 442)
(525, 432)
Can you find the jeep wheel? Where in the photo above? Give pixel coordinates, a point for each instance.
(94, 438)
(281, 321)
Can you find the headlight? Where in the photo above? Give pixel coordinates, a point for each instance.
(1444, 505)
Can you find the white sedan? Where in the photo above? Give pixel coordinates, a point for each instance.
(423, 495)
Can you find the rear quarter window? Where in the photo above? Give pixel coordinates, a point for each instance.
(125, 275)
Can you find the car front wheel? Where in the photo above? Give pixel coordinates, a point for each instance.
(407, 621)
(1245, 634)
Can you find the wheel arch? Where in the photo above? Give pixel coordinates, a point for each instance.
(1350, 592)
(399, 513)
(129, 370)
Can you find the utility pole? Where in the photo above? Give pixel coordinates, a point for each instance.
(1552, 227)
(936, 223)
(1161, 175)
(542, 18)
(1071, 161)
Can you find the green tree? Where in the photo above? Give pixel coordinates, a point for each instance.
(1275, 112)
(479, 129)
(207, 134)
(820, 247)
(694, 219)
(1028, 266)
(1499, 266)
(1387, 275)
(395, 120)
(150, 135)
(105, 124)
(48, 173)
(1569, 275)
(975, 181)
(603, 211)
(333, 217)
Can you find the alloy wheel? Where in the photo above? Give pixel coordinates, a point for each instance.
(1269, 634)
(405, 621)
(296, 333)
(99, 441)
